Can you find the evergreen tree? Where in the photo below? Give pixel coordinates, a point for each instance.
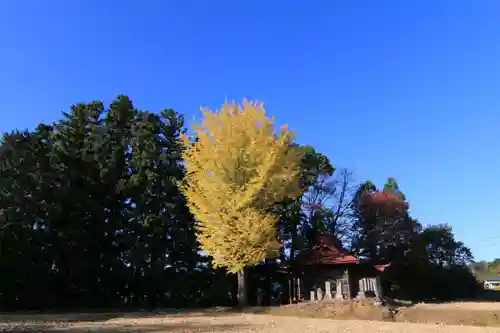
(91, 214)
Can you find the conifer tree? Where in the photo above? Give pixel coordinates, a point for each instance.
(238, 166)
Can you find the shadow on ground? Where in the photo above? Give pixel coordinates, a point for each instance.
(27, 316)
(56, 317)
(136, 328)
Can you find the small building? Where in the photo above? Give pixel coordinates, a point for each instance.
(492, 283)
(327, 271)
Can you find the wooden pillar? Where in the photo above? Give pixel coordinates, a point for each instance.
(259, 296)
(378, 288)
(268, 289)
(294, 288)
(299, 297)
(290, 297)
(348, 283)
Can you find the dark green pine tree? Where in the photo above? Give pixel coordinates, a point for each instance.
(165, 252)
(90, 213)
(364, 224)
(24, 261)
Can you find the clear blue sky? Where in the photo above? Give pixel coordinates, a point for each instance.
(409, 89)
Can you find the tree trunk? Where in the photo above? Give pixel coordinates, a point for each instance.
(242, 288)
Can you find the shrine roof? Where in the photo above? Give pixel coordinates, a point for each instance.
(326, 249)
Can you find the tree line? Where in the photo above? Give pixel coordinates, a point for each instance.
(102, 209)
(484, 269)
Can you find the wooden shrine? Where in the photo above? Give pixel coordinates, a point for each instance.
(326, 271)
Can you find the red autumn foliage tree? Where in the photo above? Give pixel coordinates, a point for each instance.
(383, 228)
(386, 201)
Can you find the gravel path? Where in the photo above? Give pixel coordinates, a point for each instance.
(249, 323)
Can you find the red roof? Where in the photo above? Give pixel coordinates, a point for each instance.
(381, 268)
(326, 249)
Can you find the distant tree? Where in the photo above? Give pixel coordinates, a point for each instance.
(436, 267)
(426, 263)
(238, 168)
(441, 248)
(484, 269)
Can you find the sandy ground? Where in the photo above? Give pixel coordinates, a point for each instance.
(480, 306)
(240, 323)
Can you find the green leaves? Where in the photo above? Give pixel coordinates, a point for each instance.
(91, 211)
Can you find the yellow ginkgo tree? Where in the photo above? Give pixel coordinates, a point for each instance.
(237, 167)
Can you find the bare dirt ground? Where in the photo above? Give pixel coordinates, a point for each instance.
(460, 313)
(349, 317)
(457, 313)
(481, 306)
(238, 323)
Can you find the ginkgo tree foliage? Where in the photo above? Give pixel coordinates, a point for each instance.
(237, 167)
(91, 215)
